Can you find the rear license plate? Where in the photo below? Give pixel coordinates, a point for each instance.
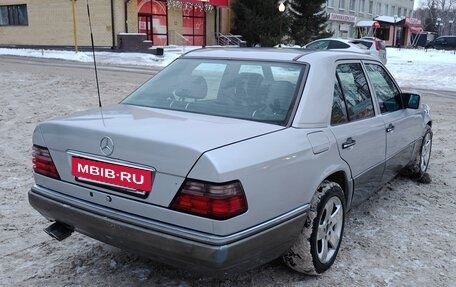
(131, 179)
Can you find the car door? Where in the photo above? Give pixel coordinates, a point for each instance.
(402, 125)
(360, 134)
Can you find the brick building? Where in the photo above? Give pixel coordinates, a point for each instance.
(178, 22)
(165, 22)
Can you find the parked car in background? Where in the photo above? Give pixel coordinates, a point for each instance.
(232, 157)
(443, 43)
(356, 45)
(375, 45)
(336, 44)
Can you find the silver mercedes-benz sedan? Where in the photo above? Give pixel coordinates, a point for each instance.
(230, 158)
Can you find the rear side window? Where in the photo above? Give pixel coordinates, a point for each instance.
(339, 110)
(388, 96)
(354, 88)
(318, 45)
(338, 45)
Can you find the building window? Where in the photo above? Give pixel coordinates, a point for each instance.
(379, 9)
(393, 9)
(385, 12)
(399, 11)
(371, 7)
(362, 5)
(152, 20)
(13, 15)
(330, 3)
(352, 5)
(342, 4)
(194, 25)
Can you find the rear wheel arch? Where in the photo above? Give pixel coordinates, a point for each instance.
(340, 177)
(316, 247)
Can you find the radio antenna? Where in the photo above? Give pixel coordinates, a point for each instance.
(93, 53)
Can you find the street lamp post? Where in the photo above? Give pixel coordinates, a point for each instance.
(451, 26)
(394, 31)
(281, 10)
(439, 24)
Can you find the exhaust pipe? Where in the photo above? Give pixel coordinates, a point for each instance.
(59, 230)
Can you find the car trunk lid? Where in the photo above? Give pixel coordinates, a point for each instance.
(165, 143)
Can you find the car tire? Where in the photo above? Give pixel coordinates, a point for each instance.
(420, 164)
(318, 244)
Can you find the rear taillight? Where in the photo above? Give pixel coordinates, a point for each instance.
(42, 162)
(211, 200)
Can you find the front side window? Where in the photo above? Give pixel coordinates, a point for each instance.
(388, 96)
(251, 90)
(13, 15)
(355, 90)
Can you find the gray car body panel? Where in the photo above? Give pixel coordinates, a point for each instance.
(280, 167)
(179, 247)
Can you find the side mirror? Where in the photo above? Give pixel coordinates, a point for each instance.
(411, 101)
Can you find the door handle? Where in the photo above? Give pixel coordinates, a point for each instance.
(390, 128)
(349, 143)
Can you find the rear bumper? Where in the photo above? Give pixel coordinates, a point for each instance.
(205, 253)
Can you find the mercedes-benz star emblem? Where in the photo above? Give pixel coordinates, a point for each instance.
(106, 146)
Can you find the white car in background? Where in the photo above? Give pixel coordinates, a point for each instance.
(363, 46)
(375, 45)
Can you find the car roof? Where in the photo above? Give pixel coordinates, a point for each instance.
(272, 54)
(333, 39)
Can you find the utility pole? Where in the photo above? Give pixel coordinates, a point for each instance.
(75, 29)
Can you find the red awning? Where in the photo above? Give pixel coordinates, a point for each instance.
(211, 2)
(416, 29)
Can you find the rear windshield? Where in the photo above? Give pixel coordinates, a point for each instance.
(252, 90)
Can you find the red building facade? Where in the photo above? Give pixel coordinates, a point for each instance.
(189, 22)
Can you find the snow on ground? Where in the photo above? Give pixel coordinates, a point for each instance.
(432, 69)
(421, 69)
(116, 58)
(402, 236)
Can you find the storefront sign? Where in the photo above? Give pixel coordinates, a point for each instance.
(342, 18)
